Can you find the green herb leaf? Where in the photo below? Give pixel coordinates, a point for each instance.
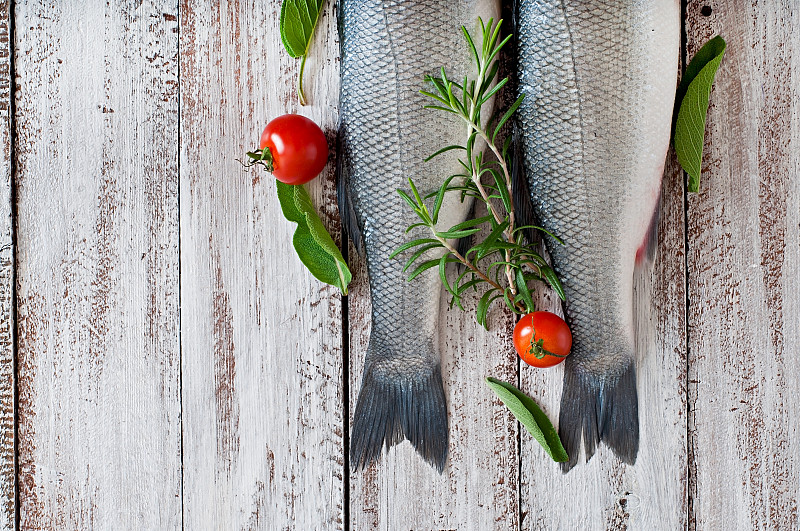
(454, 235)
(418, 253)
(440, 198)
(470, 284)
(552, 279)
(522, 285)
(486, 246)
(443, 150)
(466, 99)
(507, 115)
(483, 307)
(692, 100)
(493, 91)
(407, 199)
(470, 223)
(443, 274)
(423, 267)
(297, 23)
(413, 243)
(531, 416)
(311, 240)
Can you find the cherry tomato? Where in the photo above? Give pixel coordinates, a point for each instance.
(542, 339)
(298, 146)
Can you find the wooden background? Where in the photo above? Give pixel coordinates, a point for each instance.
(166, 362)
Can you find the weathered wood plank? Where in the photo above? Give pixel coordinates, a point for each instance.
(606, 494)
(261, 338)
(478, 489)
(7, 324)
(744, 265)
(96, 123)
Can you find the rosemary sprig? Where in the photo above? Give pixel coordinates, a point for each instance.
(502, 262)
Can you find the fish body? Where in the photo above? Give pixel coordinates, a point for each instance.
(599, 78)
(385, 134)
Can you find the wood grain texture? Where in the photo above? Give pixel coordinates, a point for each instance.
(96, 118)
(7, 323)
(744, 265)
(261, 338)
(479, 486)
(131, 299)
(606, 494)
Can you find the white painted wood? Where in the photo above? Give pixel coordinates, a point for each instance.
(261, 338)
(479, 486)
(7, 328)
(96, 146)
(605, 494)
(263, 441)
(744, 266)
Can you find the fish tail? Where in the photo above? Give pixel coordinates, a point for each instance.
(390, 409)
(598, 410)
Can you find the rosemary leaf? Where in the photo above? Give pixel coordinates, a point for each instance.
(444, 150)
(522, 286)
(483, 307)
(453, 235)
(485, 178)
(552, 279)
(413, 243)
(407, 199)
(423, 267)
(418, 253)
(491, 239)
(471, 223)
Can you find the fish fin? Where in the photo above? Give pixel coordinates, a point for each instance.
(389, 410)
(346, 211)
(647, 252)
(520, 191)
(619, 427)
(606, 411)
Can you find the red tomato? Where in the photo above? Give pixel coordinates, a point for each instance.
(542, 339)
(298, 146)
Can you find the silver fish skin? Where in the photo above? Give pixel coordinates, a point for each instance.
(385, 134)
(599, 78)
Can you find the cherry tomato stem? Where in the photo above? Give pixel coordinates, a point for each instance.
(260, 157)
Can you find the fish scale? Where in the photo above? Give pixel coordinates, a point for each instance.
(385, 134)
(599, 78)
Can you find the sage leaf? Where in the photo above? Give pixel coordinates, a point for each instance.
(531, 416)
(297, 23)
(692, 101)
(312, 242)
